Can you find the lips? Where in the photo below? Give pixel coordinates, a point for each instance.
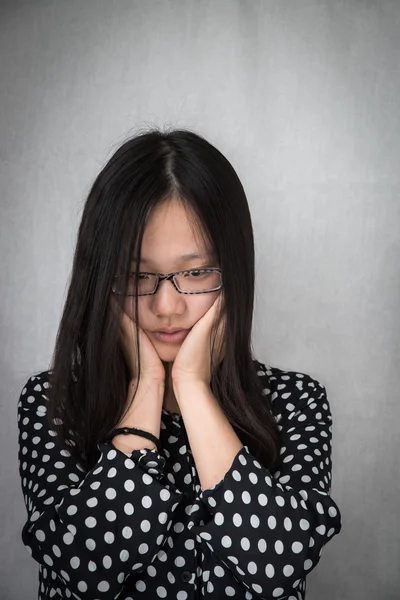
(169, 330)
(177, 336)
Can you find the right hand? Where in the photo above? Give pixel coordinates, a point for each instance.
(151, 366)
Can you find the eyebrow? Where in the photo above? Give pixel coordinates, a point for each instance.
(183, 257)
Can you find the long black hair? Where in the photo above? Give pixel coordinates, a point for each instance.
(88, 375)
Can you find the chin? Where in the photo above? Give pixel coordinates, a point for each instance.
(166, 353)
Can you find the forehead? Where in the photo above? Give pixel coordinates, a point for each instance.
(183, 258)
(172, 235)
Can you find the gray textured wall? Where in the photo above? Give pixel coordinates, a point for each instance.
(303, 98)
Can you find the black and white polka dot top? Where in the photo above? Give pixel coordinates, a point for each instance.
(139, 526)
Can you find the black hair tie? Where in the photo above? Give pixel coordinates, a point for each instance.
(128, 430)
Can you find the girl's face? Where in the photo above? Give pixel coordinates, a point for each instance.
(167, 237)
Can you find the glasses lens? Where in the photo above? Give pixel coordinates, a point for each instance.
(198, 281)
(145, 285)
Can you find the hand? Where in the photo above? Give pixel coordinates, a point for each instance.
(192, 363)
(151, 366)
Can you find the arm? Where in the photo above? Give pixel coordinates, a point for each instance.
(142, 414)
(269, 529)
(212, 439)
(92, 529)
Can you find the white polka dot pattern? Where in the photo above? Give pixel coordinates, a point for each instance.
(139, 526)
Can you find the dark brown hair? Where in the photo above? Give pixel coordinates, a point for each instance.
(88, 375)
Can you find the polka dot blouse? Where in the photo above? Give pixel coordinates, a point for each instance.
(139, 526)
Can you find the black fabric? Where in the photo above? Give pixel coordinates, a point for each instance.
(139, 525)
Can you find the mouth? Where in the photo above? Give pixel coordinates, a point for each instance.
(176, 336)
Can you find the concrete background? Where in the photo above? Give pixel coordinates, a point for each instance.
(303, 98)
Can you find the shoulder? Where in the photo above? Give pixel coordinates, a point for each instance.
(34, 390)
(289, 390)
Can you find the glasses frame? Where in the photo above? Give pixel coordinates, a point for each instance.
(171, 277)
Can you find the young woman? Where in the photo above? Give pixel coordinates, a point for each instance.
(158, 458)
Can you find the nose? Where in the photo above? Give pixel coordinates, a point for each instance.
(167, 297)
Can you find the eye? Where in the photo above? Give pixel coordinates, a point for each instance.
(194, 273)
(141, 276)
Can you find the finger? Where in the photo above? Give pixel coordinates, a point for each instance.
(213, 310)
(221, 338)
(219, 303)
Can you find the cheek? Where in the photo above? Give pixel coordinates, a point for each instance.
(129, 308)
(204, 302)
(145, 314)
(201, 305)
(196, 307)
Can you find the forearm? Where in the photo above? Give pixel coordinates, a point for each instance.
(213, 441)
(145, 413)
(92, 514)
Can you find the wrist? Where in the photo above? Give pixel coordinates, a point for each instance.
(185, 387)
(143, 410)
(147, 385)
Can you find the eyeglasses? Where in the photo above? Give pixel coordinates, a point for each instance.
(194, 281)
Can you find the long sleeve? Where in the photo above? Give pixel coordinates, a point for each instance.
(92, 529)
(269, 529)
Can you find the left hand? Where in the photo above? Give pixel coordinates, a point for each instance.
(192, 363)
